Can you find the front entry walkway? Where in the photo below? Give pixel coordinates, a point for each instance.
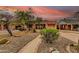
(32, 46)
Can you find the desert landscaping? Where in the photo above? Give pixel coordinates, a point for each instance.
(22, 31)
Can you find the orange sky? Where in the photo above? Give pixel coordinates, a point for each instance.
(40, 11)
(43, 10)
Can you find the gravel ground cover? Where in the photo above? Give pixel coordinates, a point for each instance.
(16, 43)
(60, 45)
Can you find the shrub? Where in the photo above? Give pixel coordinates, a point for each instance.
(50, 35)
(77, 48)
(71, 44)
(34, 31)
(3, 41)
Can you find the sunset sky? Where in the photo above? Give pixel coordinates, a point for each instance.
(49, 12)
(65, 8)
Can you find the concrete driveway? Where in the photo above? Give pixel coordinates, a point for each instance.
(71, 35)
(5, 32)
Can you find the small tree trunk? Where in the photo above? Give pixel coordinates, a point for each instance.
(7, 28)
(9, 31)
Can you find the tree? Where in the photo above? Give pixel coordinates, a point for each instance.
(30, 18)
(6, 17)
(38, 20)
(25, 17)
(21, 19)
(21, 16)
(76, 14)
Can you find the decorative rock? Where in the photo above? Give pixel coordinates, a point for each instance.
(53, 50)
(3, 41)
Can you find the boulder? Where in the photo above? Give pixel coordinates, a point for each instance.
(3, 41)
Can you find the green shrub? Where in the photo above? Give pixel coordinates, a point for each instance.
(34, 31)
(50, 35)
(77, 48)
(3, 41)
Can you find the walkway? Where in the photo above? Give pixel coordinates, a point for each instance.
(32, 46)
(73, 36)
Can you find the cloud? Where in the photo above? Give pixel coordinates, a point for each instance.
(40, 11)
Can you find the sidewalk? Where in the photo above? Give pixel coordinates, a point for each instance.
(32, 46)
